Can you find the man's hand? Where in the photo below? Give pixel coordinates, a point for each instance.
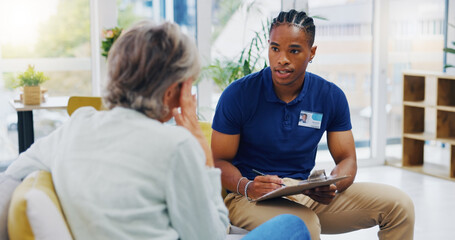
(262, 185)
(324, 194)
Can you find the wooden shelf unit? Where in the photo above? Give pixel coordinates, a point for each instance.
(428, 114)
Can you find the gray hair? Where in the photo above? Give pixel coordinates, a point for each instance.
(144, 61)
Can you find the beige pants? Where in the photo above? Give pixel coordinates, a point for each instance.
(362, 205)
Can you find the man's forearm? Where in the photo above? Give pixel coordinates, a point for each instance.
(346, 166)
(230, 175)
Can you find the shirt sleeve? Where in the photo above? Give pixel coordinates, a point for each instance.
(193, 195)
(341, 120)
(39, 156)
(43, 153)
(228, 114)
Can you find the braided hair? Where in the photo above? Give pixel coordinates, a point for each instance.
(297, 19)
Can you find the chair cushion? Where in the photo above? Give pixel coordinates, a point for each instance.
(35, 212)
(7, 186)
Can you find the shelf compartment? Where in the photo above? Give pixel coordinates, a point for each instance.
(452, 161)
(445, 127)
(413, 119)
(430, 169)
(446, 108)
(413, 88)
(422, 136)
(446, 89)
(428, 115)
(446, 140)
(417, 104)
(412, 152)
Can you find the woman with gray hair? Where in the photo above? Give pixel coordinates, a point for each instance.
(122, 173)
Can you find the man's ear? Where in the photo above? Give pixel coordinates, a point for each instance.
(313, 52)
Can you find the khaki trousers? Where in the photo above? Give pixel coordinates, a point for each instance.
(362, 205)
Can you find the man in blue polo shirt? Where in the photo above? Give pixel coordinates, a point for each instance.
(259, 125)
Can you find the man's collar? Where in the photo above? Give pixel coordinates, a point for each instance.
(270, 94)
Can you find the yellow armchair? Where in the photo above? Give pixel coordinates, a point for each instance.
(76, 102)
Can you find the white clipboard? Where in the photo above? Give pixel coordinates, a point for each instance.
(303, 185)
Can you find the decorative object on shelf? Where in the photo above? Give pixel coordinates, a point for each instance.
(31, 81)
(109, 35)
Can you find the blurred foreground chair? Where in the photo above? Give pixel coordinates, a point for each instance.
(35, 211)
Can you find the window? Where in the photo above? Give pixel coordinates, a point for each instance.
(416, 40)
(53, 35)
(235, 24)
(182, 12)
(343, 56)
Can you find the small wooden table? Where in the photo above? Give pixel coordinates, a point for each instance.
(25, 130)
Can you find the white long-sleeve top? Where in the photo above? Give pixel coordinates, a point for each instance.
(121, 175)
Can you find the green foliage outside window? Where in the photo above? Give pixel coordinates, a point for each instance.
(222, 13)
(64, 34)
(67, 33)
(126, 15)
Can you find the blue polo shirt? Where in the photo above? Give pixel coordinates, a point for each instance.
(275, 137)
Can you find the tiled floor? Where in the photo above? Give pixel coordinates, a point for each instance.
(434, 201)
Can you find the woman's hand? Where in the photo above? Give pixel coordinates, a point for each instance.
(187, 118)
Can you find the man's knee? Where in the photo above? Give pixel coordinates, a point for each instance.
(403, 207)
(398, 221)
(387, 198)
(399, 202)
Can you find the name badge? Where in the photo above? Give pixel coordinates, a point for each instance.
(310, 119)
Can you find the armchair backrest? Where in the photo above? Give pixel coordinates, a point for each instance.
(76, 102)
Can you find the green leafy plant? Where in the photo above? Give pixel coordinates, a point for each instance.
(224, 71)
(110, 35)
(31, 77)
(450, 50)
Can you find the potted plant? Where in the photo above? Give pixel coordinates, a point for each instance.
(31, 80)
(110, 35)
(224, 71)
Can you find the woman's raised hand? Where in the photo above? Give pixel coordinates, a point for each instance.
(187, 118)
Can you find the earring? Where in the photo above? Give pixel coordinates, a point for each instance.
(311, 60)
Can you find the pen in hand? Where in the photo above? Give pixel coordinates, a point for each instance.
(262, 174)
